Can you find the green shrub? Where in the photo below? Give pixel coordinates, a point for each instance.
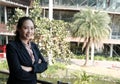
(79, 56)
(82, 77)
(99, 57)
(3, 65)
(53, 69)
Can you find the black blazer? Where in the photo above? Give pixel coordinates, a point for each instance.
(17, 55)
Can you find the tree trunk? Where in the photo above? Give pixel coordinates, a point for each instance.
(92, 53)
(87, 53)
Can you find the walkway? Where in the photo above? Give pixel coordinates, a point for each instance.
(106, 68)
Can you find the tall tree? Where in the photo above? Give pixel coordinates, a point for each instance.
(50, 40)
(46, 39)
(13, 20)
(93, 27)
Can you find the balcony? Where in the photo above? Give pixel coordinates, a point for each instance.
(3, 27)
(14, 3)
(24, 2)
(111, 6)
(4, 31)
(115, 35)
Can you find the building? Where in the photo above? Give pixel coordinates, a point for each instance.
(7, 9)
(65, 9)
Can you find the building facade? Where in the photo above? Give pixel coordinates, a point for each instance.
(65, 9)
(7, 9)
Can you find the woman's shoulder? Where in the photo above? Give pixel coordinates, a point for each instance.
(11, 43)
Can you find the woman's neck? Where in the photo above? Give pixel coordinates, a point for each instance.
(25, 41)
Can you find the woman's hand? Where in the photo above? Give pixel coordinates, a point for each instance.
(25, 68)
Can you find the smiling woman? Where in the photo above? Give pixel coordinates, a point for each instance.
(25, 29)
(23, 56)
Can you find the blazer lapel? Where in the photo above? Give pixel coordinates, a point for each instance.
(23, 50)
(34, 52)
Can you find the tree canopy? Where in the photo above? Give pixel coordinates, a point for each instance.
(92, 26)
(44, 37)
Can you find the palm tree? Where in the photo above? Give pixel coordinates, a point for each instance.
(92, 26)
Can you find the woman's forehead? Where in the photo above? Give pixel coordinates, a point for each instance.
(28, 23)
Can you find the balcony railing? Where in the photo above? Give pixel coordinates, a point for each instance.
(3, 27)
(38, 81)
(115, 35)
(111, 6)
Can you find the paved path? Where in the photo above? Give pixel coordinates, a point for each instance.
(106, 68)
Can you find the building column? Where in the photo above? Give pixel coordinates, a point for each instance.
(0, 14)
(50, 9)
(5, 14)
(6, 37)
(44, 12)
(111, 50)
(104, 4)
(27, 11)
(50, 54)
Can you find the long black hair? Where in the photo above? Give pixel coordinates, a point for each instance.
(20, 24)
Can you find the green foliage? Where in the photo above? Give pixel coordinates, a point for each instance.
(82, 78)
(78, 56)
(13, 20)
(60, 47)
(91, 26)
(115, 58)
(100, 58)
(59, 65)
(3, 65)
(49, 72)
(55, 68)
(3, 78)
(35, 12)
(49, 35)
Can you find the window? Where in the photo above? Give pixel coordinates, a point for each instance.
(1, 14)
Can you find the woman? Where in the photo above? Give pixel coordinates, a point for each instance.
(23, 56)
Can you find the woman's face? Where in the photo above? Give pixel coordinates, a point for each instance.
(27, 30)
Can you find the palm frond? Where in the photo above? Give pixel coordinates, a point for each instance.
(92, 24)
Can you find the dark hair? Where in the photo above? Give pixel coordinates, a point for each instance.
(20, 24)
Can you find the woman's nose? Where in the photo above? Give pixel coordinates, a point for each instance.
(29, 30)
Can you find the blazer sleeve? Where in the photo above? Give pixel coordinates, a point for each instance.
(14, 64)
(39, 67)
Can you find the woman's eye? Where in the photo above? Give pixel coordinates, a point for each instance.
(32, 28)
(25, 27)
